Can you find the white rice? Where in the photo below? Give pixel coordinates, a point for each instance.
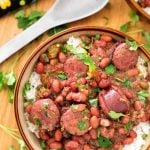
(75, 42)
(141, 66)
(32, 127)
(141, 129)
(35, 81)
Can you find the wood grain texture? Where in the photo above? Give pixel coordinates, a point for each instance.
(117, 12)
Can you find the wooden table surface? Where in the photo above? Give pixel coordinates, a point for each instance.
(117, 12)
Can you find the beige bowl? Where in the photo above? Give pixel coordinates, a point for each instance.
(29, 138)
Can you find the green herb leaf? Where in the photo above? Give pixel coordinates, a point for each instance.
(97, 36)
(61, 75)
(2, 79)
(146, 35)
(110, 69)
(126, 82)
(11, 148)
(125, 27)
(104, 142)
(10, 79)
(22, 144)
(94, 102)
(38, 122)
(128, 125)
(142, 95)
(147, 46)
(96, 89)
(144, 136)
(43, 144)
(11, 95)
(26, 88)
(133, 45)
(115, 115)
(56, 30)
(134, 17)
(81, 125)
(26, 21)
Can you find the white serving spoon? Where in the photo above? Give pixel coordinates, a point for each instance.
(63, 11)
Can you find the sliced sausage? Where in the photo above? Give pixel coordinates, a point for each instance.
(113, 99)
(45, 114)
(123, 58)
(76, 122)
(73, 67)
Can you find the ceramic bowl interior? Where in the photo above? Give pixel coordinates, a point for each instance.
(139, 9)
(30, 139)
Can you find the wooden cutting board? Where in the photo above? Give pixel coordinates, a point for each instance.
(116, 12)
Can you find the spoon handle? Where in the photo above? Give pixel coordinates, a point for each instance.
(26, 37)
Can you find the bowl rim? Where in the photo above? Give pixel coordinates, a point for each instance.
(139, 9)
(42, 45)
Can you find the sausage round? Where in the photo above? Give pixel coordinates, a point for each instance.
(123, 58)
(45, 114)
(76, 121)
(73, 67)
(113, 99)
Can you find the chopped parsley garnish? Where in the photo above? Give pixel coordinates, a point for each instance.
(94, 102)
(25, 21)
(61, 75)
(142, 95)
(97, 36)
(56, 29)
(133, 44)
(81, 125)
(115, 115)
(10, 79)
(26, 88)
(110, 69)
(2, 79)
(96, 89)
(45, 105)
(144, 136)
(43, 144)
(38, 122)
(128, 125)
(126, 82)
(125, 27)
(11, 148)
(134, 17)
(104, 142)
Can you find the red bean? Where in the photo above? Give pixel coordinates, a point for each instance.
(122, 131)
(104, 62)
(62, 57)
(93, 133)
(65, 91)
(129, 94)
(86, 137)
(53, 62)
(94, 111)
(55, 145)
(94, 121)
(46, 94)
(128, 140)
(81, 107)
(58, 135)
(84, 91)
(111, 133)
(133, 134)
(73, 86)
(137, 105)
(144, 84)
(79, 97)
(59, 99)
(132, 72)
(86, 147)
(82, 81)
(104, 83)
(100, 43)
(69, 96)
(104, 131)
(43, 135)
(56, 86)
(103, 75)
(71, 145)
(51, 140)
(28, 108)
(125, 119)
(85, 39)
(79, 139)
(93, 83)
(40, 68)
(105, 122)
(117, 146)
(106, 38)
